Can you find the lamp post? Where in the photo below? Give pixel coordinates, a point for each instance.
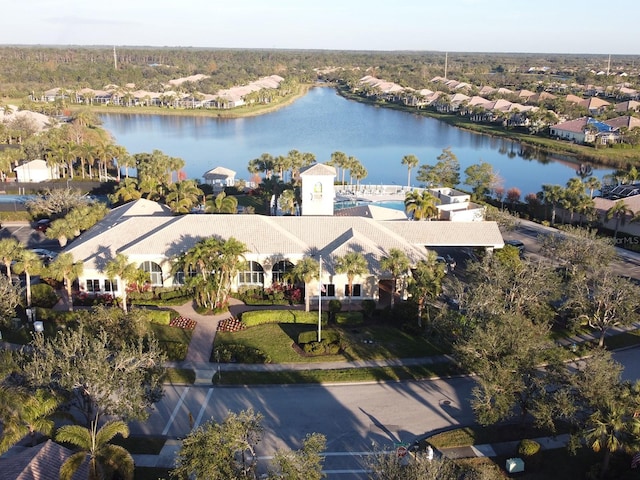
(320, 299)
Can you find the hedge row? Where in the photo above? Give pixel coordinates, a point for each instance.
(260, 317)
(328, 336)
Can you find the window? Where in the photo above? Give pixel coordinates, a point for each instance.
(154, 271)
(179, 277)
(329, 290)
(253, 275)
(93, 286)
(279, 271)
(111, 285)
(357, 290)
(317, 190)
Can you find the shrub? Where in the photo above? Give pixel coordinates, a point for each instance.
(175, 351)
(328, 336)
(260, 317)
(335, 306)
(43, 295)
(349, 319)
(368, 307)
(531, 453)
(528, 448)
(239, 353)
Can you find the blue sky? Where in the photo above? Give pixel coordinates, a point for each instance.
(546, 26)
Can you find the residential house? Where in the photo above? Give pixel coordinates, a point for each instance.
(41, 462)
(36, 171)
(584, 130)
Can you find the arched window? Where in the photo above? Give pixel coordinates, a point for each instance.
(154, 271)
(252, 275)
(279, 271)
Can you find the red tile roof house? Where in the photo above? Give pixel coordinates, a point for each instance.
(41, 462)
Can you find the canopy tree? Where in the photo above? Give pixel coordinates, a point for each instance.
(117, 377)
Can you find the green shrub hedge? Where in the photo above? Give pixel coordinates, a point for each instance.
(175, 351)
(349, 318)
(328, 336)
(260, 317)
(233, 353)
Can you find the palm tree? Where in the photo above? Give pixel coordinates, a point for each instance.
(592, 184)
(126, 192)
(120, 268)
(104, 458)
(613, 428)
(31, 414)
(64, 269)
(222, 204)
(288, 202)
(352, 264)
(28, 263)
(552, 195)
(411, 161)
(421, 205)
(183, 196)
(619, 211)
(10, 249)
(304, 271)
(398, 264)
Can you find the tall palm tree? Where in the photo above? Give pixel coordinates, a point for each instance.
(231, 257)
(619, 211)
(120, 268)
(64, 269)
(398, 264)
(352, 264)
(104, 458)
(421, 205)
(10, 250)
(222, 204)
(411, 161)
(552, 195)
(304, 271)
(30, 264)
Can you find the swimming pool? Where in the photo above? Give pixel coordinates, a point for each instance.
(393, 204)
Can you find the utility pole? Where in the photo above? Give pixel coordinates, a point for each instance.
(320, 299)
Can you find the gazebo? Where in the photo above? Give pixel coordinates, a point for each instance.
(219, 178)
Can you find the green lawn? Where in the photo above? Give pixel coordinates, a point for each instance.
(359, 343)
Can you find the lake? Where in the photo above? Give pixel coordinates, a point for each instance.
(323, 122)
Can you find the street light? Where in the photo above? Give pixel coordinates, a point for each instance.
(320, 299)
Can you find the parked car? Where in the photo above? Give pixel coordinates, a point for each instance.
(42, 225)
(517, 244)
(46, 256)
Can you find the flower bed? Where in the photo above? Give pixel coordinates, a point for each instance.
(182, 322)
(231, 325)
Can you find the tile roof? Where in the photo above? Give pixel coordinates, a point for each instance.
(166, 236)
(41, 462)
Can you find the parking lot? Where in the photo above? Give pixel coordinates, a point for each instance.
(28, 236)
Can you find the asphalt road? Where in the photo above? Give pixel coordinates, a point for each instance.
(357, 419)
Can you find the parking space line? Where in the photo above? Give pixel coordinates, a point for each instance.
(203, 408)
(175, 411)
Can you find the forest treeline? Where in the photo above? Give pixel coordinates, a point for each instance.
(33, 69)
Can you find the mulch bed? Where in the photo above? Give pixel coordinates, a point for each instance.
(231, 325)
(182, 322)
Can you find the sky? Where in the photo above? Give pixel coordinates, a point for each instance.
(515, 26)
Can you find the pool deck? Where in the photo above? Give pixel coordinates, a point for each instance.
(376, 193)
